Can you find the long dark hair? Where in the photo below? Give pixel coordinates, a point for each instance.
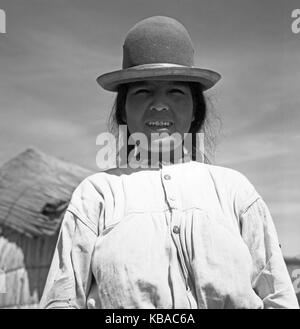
(117, 116)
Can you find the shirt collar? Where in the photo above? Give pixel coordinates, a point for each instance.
(155, 162)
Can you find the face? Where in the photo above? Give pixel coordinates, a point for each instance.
(159, 107)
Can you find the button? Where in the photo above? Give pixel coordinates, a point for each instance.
(167, 177)
(176, 229)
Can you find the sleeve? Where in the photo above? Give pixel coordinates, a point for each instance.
(69, 278)
(270, 280)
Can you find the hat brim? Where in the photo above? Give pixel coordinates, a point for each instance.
(160, 71)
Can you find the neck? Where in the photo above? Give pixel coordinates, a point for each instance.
(151, 159)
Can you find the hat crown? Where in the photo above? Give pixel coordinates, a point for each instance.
(158, 39)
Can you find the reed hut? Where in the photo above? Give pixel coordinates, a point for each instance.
(35, 190)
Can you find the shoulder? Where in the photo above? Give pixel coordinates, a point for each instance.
(227, 175)
(90, 189)
(96, 180)
(235, 184)
(97, 185)
(86, 202)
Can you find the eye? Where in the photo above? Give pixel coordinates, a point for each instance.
(141, 91)
(177, 91)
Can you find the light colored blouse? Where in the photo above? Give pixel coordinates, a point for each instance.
(186, 235)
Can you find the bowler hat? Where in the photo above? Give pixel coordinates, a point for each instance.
(158, 48)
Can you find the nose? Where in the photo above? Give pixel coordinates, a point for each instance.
(160, 107)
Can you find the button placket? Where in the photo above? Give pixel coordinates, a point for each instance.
(176, 238)
(175, 228)
(169, 188)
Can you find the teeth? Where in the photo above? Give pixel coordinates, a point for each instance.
(159, 123)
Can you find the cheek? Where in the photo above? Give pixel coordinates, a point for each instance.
(185, 114)
(134, 114)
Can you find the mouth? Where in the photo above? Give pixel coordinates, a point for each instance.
(159, 124)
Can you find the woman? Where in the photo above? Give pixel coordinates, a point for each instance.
(174, 233)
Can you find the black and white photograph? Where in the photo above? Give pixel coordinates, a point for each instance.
(149, 156)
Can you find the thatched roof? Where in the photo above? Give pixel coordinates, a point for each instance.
(35, 190)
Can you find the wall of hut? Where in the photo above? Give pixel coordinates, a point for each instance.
(25, 263)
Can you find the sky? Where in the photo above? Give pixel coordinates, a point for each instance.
(53, 51)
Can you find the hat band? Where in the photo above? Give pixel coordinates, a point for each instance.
(157, 65)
